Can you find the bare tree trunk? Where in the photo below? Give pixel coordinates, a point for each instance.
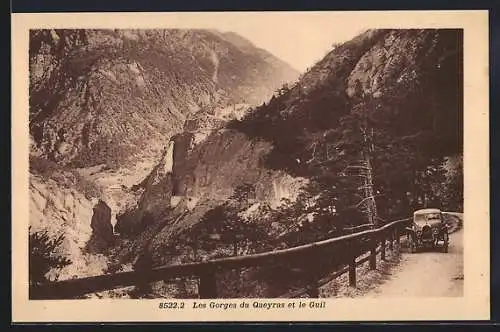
(368, 178)
(370, 192)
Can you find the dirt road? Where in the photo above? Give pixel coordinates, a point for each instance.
(426, 273)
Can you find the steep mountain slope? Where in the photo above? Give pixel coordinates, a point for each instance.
(407, 82)
(377, 70)
(399, 101)
(105, 103)
(96, 94)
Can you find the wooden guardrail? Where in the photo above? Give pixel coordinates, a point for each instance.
(360, 228)
(376, 240)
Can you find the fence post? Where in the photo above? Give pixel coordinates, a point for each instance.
(391, 241)
(373, 256)
(312, 287)
(352, 272)
(143, 287)
(398, 237)
(313, 290)
(207, 288)
(382, 248)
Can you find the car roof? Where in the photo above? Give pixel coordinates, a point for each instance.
(424, 211)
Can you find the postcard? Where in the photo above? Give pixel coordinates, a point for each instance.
(250, 166)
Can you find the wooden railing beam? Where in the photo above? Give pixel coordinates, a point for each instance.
(76, 287)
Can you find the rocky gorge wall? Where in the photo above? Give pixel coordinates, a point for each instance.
(226, 159)
(207, 172)
(59, 209)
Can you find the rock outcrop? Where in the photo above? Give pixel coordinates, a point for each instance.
(59, 208)
(102, 229)
(208, 172)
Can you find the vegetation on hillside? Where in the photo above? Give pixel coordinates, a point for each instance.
(407, 127)
(230, 230)
(44, 256)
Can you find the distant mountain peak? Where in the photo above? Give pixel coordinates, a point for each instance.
(238, 40)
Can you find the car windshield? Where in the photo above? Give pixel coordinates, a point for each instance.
(432, 216)
(423, 217)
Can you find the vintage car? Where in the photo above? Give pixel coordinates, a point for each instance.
(428, 228)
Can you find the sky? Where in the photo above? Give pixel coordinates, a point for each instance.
(309, 44)
(299, 39)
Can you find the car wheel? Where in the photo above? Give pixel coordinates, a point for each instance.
(413, 245)
(446, 243)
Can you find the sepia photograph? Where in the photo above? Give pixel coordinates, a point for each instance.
(307, 160)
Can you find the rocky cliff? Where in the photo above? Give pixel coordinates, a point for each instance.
(208, 172)
(96, 94)
(276, 146)
(59, 206)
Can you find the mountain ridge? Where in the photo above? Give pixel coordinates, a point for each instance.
(161, 75)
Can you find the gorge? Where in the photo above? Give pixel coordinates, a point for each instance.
(166, 132)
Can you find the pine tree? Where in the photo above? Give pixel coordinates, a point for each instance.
(43, 255)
